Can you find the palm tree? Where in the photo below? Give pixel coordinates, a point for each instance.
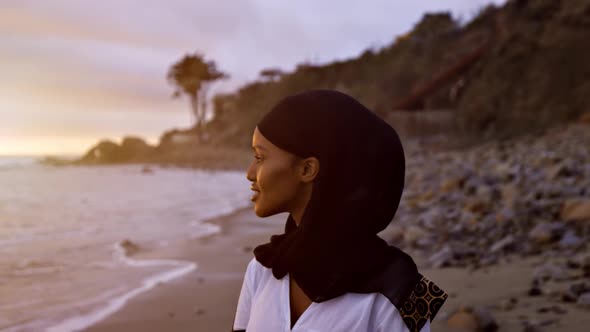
(193, 76)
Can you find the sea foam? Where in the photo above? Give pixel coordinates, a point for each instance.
(179, 269)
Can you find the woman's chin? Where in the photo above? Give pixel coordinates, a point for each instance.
(261, 211)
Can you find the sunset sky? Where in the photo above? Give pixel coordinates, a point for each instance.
(74, 72)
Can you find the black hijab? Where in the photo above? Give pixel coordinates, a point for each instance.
(336, 249)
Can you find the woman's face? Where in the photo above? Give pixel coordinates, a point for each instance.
(276, 185)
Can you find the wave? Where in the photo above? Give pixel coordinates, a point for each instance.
(17, 162)
(122, 252)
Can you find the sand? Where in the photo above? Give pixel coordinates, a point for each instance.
(205, 300)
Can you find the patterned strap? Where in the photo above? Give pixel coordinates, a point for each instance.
(423, 304)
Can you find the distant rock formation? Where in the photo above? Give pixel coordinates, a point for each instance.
(132, 149)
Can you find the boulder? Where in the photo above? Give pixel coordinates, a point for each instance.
(105, 151)
(135, 148)
(545, 232)
(504, 244)
(472, 319)
(576, 210)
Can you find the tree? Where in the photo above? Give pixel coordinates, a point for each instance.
(193, 76)
(271, 74)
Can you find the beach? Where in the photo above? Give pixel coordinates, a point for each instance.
(205, 299)
(492, 226)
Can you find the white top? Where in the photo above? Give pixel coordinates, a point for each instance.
(263, 306)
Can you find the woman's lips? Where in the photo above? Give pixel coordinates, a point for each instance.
(254, 196)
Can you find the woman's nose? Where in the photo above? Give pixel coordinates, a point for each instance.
(250, 174)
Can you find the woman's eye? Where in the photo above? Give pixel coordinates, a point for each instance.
(258, 159)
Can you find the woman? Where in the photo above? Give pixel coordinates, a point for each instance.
(338, 170)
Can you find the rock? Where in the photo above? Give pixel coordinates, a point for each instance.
(488, 260)
(576, 210)
(508, 304)
(426, 196)
(531, 327)
(147, 170)
(414, 233)
(451, 184)
(476, 205)
(135, 147)
(394, 233)
(505, 216)
(584, 117)
(503, 170)
(463, 319)
(55, 161)
(535, 291)
(425, 242)
(580, 288)
(570, 240)
(487, 322)
(552, 309)
(584, 300)
(505, 244)
(580, 261)
(509, 193)
(129, 247)
(469, 319)
(569, 296)
(554, 290)
(105, 151)
(563, 169)
(487, 193)
(198, 311)
(545, 232)
(431, 218)
(466, 219)
(108, 152)
(442, 258)
(550, 271)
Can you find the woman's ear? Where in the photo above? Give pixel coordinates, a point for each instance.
(310, 168)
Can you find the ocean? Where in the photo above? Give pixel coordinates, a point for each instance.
(66, 234)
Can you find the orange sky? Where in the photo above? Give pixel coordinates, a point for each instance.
(75, 72)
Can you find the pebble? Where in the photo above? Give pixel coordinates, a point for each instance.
(584, 300)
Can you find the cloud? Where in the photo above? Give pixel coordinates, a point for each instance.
(242, 36)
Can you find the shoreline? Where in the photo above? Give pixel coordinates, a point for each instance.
(192, 302)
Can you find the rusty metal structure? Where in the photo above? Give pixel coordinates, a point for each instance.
(415, 101)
